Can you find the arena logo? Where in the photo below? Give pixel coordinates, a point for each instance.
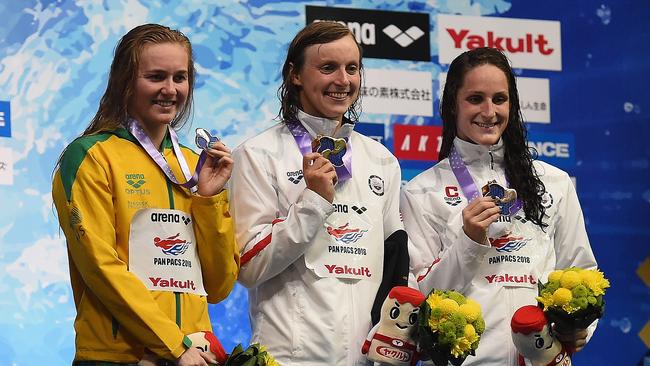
(452, 196)
(383, 34)
(530, 44)
(135, 180)
(295, 177)
(405, 38)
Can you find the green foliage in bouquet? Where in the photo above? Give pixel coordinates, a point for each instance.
(449, 327)
(573, 297)
(254, 355)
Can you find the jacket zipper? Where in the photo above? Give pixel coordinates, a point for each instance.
(491, 159)
(177, 295)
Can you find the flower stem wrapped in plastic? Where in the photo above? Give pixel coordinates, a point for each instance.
(573, 298)
(449, 327)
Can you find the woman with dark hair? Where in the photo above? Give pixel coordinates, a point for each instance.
(146, 252)
(315, 205)
(488, 220)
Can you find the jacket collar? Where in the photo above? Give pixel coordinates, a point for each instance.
(324, 126)
(471, 152)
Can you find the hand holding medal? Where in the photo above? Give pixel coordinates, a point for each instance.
(218, 164)
(319, 171)
(332, 149)
(505, 198)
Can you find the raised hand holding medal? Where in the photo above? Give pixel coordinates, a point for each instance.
(505, 198)
(332, 149)
(218, 165)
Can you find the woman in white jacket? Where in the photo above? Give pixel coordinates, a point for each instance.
(316, 209)
(493, 252)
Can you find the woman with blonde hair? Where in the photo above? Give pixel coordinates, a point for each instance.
(147, 250)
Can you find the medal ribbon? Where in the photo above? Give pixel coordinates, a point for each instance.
(466, 182)
(303, 140)
(144, 140)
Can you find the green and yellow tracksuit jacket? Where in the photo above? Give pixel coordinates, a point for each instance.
(102, 181)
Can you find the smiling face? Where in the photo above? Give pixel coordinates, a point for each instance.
(161, 86)
(483, 105)
(398, 318)
(329, 80)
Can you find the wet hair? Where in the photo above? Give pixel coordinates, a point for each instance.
(518, 158)
(314, 33)
(112, 112)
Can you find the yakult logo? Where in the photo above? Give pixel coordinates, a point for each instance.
(529, 44)
(393, 353)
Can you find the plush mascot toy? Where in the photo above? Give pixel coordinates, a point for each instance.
(204, 341)
(390, 340)
(534, 341)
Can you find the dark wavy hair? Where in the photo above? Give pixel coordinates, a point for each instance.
(518, 158)
(314, 33)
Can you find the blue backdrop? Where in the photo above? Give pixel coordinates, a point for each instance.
(54, 58)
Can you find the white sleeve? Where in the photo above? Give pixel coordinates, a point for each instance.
(392, 219)
(435, 264)
(572, 246)
(269, 244)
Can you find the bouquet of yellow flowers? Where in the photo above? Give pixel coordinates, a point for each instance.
(449, 327)
(254, 355)
(573, 298)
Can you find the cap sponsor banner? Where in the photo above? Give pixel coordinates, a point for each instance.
(5, 119)
(554, 148)
(383, 34)
(373, 130)
(6, 166)
(529, 44)
(534, 97)
(413, 142)
(397, 92)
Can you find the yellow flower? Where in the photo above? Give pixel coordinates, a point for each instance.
(269, 360)
(434, 299)
(433, 323)
(448, 306)
(470, 334)
(570, 279)
(562, 296)
(470, 310)
(461, 346)
(595, 280)
(546, 299)
(469, 331)
(555, 275)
